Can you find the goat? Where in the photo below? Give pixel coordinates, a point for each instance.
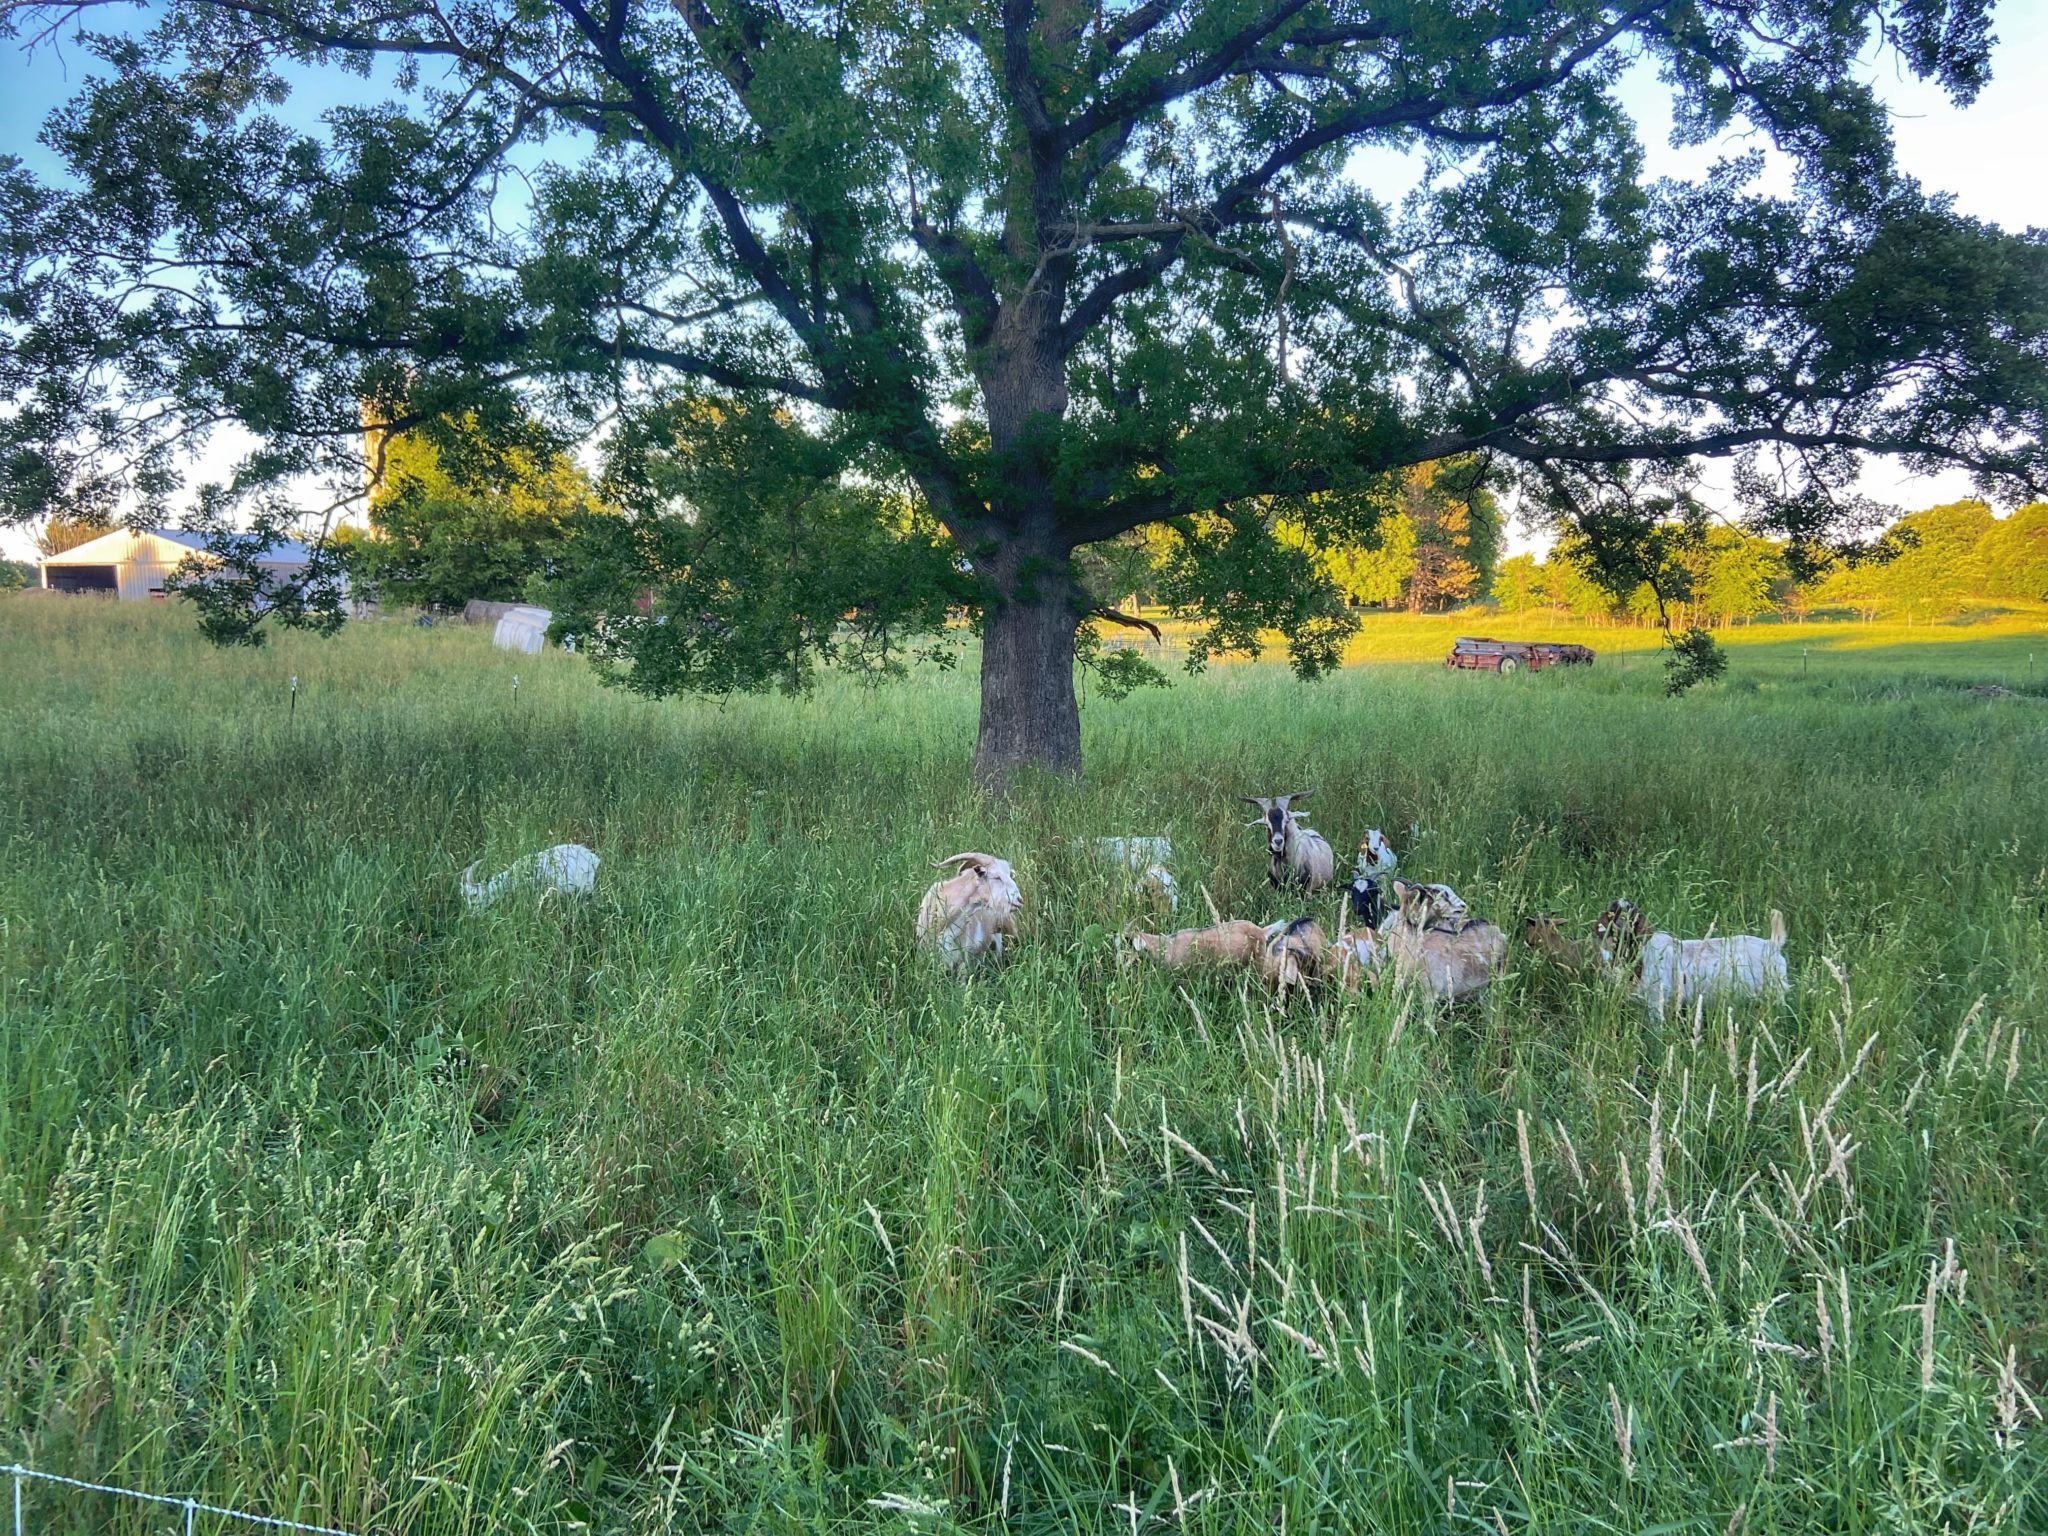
(1452, 955)
(971, 912)
(1446, 906)
(1225, 943)
(569, 868)
(1300, 855)
(1367, 902)
(1145, 859)
(1671, 971)
(1542, 933)
(1356, 956)
(1376, 856)
(1293, 954)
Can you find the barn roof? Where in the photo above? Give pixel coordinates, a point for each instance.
(116, 547)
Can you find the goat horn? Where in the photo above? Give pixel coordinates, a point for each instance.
(1299, 794)
(957, 858)
(1261, 801)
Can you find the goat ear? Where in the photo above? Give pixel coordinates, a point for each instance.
(1299, 794)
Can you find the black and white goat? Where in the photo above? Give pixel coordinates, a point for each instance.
(1300, 855)
(1376, 862)
(1368, 895)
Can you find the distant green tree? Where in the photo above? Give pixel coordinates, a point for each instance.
(1515, 584)
(2014, 555)
(1433, 534)
(1738, 575)
(1941, 568)
(1562, 582)
(16, 574)
(1374, 571)
(454, 518)
(1930, 563)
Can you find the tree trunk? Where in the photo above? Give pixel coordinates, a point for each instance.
(1029, 716)
(1032, 604)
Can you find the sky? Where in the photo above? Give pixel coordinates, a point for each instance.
(1988, 156)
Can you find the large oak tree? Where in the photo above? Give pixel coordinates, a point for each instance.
(1069, 269)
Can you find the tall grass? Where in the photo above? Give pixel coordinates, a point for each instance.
(705, 1205)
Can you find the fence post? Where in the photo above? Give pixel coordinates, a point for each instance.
(19, 1528)
(191, 1508)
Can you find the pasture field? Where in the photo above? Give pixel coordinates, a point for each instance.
(707, 1206)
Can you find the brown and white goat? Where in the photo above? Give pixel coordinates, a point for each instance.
(1300, 855)
(970, 913)
(1224, 943)
(1294, 953)
(1451, 956)
(1544, 933)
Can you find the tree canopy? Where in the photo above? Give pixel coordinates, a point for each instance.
(1067, 270)
(1946, 558)
(449, 525)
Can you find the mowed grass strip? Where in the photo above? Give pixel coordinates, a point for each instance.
(708, 1205)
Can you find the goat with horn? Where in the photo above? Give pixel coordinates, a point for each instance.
(1301, 855)
(969, 914)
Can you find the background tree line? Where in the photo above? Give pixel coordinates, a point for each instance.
(1928, 565)
(1438, 541)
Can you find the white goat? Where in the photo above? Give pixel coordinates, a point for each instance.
(1672, 971)
(970, 913)
(1300, 855)
(1145, 860)
(569, 868)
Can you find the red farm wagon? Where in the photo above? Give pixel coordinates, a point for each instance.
(1509, 656)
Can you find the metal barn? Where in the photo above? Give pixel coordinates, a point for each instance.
(131, 564)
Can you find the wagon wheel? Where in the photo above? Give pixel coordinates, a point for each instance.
(1509, 666)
